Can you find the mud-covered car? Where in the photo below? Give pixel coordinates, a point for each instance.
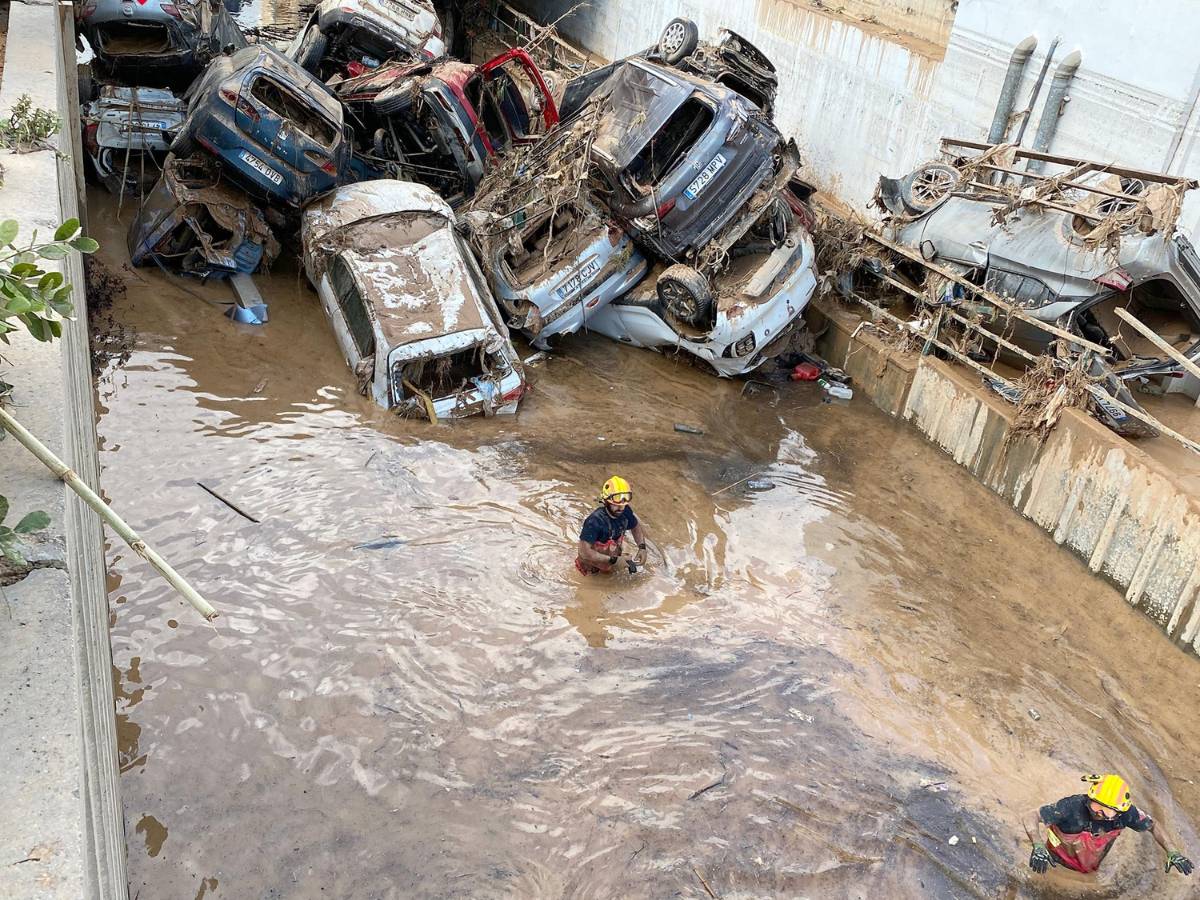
(1068, 251)
(277, 130)
(123, 134)
(408, 304)
(196, 223)
(757, 299)
(440, 124)
(350, 37)
(155, 42)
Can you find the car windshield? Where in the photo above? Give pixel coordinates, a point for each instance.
(639, 103)
(290, 107)
(670, 144)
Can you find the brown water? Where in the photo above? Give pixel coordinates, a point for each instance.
(852, 655)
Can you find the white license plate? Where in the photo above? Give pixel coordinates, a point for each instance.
(692, 191)
(259, 166)
(144, 125)
(576, 282)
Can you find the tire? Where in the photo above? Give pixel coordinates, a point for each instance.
(87, 86)
(928, 186)
(312, 49)
(184, 144)
(678, 40)
(686, 294)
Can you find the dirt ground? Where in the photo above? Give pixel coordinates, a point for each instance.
(850, 685)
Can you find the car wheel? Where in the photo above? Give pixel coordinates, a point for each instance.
(685, 294)
(928, 186)
(312, 49)
(184, 145)
(678, 40)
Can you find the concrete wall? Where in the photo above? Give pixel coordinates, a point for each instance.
(1101, 497)
(862, 98)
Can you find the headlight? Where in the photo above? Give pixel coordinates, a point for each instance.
(745, 345)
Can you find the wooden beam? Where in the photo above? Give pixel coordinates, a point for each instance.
(987, 295)
(1149, 334)
(1021, 153)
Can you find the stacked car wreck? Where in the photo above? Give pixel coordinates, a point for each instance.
(439, 203)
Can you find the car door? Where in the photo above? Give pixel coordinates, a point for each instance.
(505, 105)
(347, 313)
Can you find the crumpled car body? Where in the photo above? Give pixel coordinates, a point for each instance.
(760, 298)
(277, 130)
(408, 304)
(157, 42)
(123, 134)
(350, 37)
(681, 155)
(195, 223)
(439, 124)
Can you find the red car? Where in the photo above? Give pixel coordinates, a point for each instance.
(438, 124)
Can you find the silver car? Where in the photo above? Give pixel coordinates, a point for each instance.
(123, 134)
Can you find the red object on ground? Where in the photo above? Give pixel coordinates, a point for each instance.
(805, 372)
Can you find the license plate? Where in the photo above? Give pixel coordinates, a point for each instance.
(576, 282)
(144, 125)
(692, 191)
(259, 166)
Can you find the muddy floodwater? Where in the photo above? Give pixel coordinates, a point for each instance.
(849, 685)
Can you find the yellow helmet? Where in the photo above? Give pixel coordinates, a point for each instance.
(616, 490)
(1110, 791)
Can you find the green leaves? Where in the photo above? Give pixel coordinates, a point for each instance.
(10, 538)
(85, 245)
(34, 521)
(9, 229)
(67, 230)
(29, 294)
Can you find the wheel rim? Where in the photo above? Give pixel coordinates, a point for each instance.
(932, 185)
(678, 299)
(672, 38)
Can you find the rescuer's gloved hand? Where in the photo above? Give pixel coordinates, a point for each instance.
(1039, 858)
(1179, 861)
(632, 566)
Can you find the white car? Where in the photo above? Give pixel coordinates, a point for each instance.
(759, 299)
(347, 38)
(409, 306)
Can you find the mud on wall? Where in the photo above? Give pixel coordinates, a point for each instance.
(870, 89)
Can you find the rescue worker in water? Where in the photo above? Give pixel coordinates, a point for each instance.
(600, 539)
(1078, 831)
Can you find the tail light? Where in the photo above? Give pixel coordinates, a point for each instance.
(89, 138)
(236, 100)
(324, 163)
(170, 9)
(515, 394)
(665, 207)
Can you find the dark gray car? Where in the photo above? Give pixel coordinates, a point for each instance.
(156, 43)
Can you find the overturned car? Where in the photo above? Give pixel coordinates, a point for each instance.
(409, 307)
(195, 223)
(157, 43)
(440, 124)
(1083, 249)
(350, 37)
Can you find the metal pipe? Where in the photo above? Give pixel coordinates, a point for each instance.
(1008, 91)
(1027, 113)
(1055, 100)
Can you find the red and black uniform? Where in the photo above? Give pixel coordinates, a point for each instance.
(603, 531)
(1080, 842)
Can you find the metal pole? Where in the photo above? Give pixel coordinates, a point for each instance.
(62, 471)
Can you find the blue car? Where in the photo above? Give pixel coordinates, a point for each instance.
(274, 128)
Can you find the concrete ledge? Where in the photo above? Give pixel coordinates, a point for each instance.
(1130, 517)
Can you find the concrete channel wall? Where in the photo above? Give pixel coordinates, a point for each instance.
(1126, 514)
(867, 87)
(62, 832)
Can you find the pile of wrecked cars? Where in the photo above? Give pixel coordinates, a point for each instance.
(440, 203)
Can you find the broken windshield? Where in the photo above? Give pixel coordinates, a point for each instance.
(640, 101)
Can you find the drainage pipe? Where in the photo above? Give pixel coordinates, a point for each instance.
(1052, 111)
(1008, 91)
(1027, 112)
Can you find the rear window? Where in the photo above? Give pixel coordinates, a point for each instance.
(671, 143)
(135, 39)
(290, 107)
(353, 309)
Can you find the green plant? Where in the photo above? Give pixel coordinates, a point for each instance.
(29, 295)
(10, 538)
(28, 128)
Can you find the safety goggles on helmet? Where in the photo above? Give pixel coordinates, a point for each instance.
(616, 490)
(622, 497)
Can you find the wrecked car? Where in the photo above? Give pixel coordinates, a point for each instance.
(553, 257)
(408, 304)
(757, 298)
(439, 124)
(275, 129)
(194, 222)
(683, 158)
(155, 42)
(350, 37)
(123, 134)
(1067, 249)
(731, 61)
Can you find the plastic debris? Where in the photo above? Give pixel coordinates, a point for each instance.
(953, 840)
(1034, 714)
(688, 429)
(760, 484)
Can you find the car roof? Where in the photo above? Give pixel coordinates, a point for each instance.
(418, 290)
